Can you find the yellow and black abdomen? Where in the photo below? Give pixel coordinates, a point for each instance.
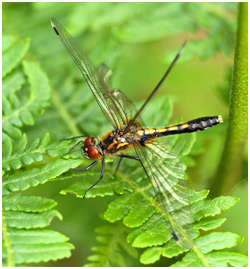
(196, 125)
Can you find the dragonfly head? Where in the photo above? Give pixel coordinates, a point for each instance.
(91, 149)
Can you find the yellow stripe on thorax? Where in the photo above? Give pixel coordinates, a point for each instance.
(121, 145)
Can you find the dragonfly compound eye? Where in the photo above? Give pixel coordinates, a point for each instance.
(93, 153)
(88, 141)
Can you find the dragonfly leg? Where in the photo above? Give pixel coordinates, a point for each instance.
(102, 172)
(73, 148)
(129, 157)
(84, 169)
(117, 167)
(73, 137)
(124, 156)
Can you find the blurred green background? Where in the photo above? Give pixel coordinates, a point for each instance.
(137, 41)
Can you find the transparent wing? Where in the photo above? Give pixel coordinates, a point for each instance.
(123, 104)
(114, 104)
(167, 177)
(125, 107)
(105, 73)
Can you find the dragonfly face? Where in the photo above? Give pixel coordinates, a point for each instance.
(152, 146)
(92, 149)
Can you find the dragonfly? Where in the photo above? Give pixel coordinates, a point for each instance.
(152, 146)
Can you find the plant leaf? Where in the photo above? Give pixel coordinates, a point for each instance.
(33, 177)
(30, 253)
(22, 155)
(27, 203)
(13, 54)
(216, 259)
(17, 112)
(13, 82)
(30, 220)
(7, 41)
(113, 240)
(24, 244)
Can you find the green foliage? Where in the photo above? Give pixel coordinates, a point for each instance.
(24, 239)
(24, 217)
(214, 20)
(138, 210)
(113, 238)
(21, 155)
(35, 176)
(135, 230)
(13, 53)
(20, 110)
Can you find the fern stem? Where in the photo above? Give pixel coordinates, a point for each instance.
(10, 257)
(230, 167)
(65, 115)
(201, 256)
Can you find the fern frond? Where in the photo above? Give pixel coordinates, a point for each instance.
(21, 154)
(24, 239)
(138, 209)
(36, 176)
(145, 22)
(13, 53)
(13, 82)
(19, 111)
(113, 240)
(7, 41)
(202, 211)
(149, 229)
(217, 258)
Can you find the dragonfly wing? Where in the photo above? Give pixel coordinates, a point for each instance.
(122, 103)
(96, 79)
(167, 177)
(105, 73)
(125, 107)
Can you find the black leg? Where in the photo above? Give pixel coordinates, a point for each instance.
(84, 169)
(117, 167)
(73, 147)
(129, 157)
(102, 172)
(124, 156)
(73, 137)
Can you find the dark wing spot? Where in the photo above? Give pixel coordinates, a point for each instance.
(55, 30)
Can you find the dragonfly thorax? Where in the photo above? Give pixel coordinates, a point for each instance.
(92, 149)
